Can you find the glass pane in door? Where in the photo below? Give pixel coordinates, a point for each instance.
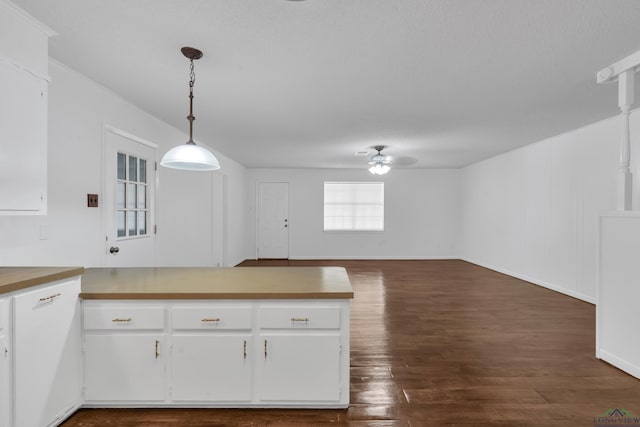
(142, 222)
(142, 196)
(120, 195)
(131, 222)
(133, 168)
(122, 168)
(143, 170)
(131, 196)
(120, 219)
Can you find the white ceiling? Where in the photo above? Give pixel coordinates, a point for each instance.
(442, 83)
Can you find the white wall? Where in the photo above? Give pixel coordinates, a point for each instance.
(421, 214)
(533, 212)
(78, 109)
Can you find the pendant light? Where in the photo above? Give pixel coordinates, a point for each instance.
(380, 162)
(190, 156)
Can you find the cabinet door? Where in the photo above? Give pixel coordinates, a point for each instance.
(296, 367)
(5, 402)
(5, 399)
(47, 353)
(23, 132)
(124, 367)
(211, 368)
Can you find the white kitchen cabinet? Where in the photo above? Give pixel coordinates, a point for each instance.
(124, 367)
(211, 368)
(301, 345)
(47, 353)
(5, 389)
(5, 401)
(23, 127)
(211, 355)
(298, 368)
(124, 353)
(234, 353)
(23, 114)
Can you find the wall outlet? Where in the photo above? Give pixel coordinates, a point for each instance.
(92, 200)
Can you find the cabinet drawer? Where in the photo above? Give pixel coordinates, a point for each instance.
(211, 318)
(300, 317)
(123, 318)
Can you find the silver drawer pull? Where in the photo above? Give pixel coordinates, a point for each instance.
(299, 319)
(49, 297)
(128, 319)
(211, 319)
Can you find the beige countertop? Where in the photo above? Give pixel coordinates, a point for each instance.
(17, 278)
(217, 283)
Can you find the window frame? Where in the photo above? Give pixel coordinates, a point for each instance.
(354, 217)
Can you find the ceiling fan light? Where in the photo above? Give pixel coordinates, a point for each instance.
(380, 158)
(190, 157)
(380, 162)
(379, 169)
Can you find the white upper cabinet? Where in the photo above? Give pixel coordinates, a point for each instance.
(23, 112)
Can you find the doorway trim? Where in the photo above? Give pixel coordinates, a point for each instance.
(107, 128)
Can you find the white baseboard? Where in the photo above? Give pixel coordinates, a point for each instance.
(620, 363)
(560, 289)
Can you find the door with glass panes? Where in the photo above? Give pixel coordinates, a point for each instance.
(129, 194)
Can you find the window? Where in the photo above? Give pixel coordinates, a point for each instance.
(132, 208)
(354, 206)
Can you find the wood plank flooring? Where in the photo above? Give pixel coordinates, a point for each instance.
(444, 343)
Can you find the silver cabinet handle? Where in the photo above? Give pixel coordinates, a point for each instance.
(49, 298)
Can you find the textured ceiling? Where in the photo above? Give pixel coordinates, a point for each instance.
(442, 83)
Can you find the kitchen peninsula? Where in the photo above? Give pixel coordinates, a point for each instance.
(232, 337)
(179, 337)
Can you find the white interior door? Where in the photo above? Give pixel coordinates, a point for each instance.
(273, 220)
(129, 200)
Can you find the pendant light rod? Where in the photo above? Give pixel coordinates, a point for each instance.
(191, 117)
(192, 54)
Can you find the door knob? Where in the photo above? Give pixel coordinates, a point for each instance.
(114, 250)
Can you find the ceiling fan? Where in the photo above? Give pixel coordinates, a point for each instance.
(380, 162)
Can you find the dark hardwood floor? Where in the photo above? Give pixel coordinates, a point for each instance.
(444, 343)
